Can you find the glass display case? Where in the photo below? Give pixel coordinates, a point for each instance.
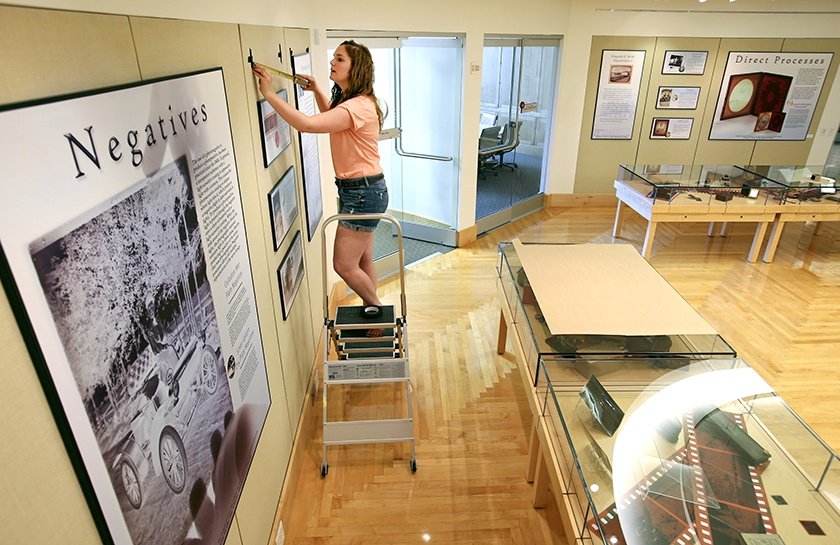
(691, 187)
(540, 345)
(807, 185)
(684, 450)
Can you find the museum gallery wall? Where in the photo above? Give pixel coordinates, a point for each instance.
(139, 264)
(700, 101)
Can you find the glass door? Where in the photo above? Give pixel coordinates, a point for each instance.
(517, 100)
(418, 81)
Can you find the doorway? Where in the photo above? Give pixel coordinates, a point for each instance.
(418, 81)
(518, 84)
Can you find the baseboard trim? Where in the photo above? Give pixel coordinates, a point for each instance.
(306, 424)
(465, 236)
(580, 199)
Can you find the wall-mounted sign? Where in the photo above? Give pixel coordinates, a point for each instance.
(677, 98)
(688, 63)
(671, 128)
(133, 287)
(769, 95)
(618, 94)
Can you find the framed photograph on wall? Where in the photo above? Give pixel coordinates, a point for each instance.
(290, 274)
(687, 63)
(310, 168)
(677, 98)
(282, 206)
(132, 286)
(276, 133)
(671, 128)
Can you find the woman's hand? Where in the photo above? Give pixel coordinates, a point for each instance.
(264, 80)
(312, 84)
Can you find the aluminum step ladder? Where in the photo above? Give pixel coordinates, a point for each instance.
(368, 351)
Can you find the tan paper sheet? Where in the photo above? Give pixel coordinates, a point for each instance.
(605, 289)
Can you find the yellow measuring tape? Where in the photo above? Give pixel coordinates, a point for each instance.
(297, 79)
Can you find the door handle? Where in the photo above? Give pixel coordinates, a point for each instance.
(401, 152)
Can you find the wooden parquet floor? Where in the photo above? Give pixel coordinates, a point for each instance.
(471, 411)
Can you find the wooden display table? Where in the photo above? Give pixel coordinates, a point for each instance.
(692, 194)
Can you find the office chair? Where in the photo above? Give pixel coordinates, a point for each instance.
(488, 146)
(510, 141)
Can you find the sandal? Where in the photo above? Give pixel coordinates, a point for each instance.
(372, 311)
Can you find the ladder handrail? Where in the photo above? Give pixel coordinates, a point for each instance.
(400, 252)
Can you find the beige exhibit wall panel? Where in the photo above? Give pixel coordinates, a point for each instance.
(46, 53)
(605, 289)
(778, 153)
(656, 151)
(598, 160)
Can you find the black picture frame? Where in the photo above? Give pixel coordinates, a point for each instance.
(282, 206)
(666, 94)
(683, 62)
(290, 274)
(275, 132)
(310, 170)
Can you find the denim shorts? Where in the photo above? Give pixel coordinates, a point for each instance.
(364, 199)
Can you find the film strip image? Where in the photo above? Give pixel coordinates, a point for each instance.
(708, 492)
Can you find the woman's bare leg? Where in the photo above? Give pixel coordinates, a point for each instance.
(353, 261)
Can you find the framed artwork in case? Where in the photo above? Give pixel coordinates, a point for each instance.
(770, 121)
(740, 95)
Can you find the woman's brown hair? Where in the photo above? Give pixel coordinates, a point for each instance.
(361, 77)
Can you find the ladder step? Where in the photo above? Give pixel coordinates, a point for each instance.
(353, 317)
(372, 346)
(366, 371)
(356, 335)
(368, 431)
(369, 355)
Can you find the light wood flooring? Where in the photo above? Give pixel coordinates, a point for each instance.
(472, 415)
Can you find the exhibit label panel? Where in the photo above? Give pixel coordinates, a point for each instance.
(126, 263)
(618, 94)
(769, 96)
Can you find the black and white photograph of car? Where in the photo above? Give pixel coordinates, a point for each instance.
(129, 293)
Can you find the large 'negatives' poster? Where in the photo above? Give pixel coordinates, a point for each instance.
(125, 259)
(769, 96)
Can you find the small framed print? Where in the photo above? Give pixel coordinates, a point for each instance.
(740, 95)
(688, 63)
(671, 128)
(282, 206)
(276, 133)
(769, 121)
(290, 274)
(677, 98)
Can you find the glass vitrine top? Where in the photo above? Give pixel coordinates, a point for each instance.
(806, 184)
(534, 331)
(702, 185)
(671, 447)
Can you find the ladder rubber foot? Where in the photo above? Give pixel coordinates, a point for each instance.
(325, 468)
